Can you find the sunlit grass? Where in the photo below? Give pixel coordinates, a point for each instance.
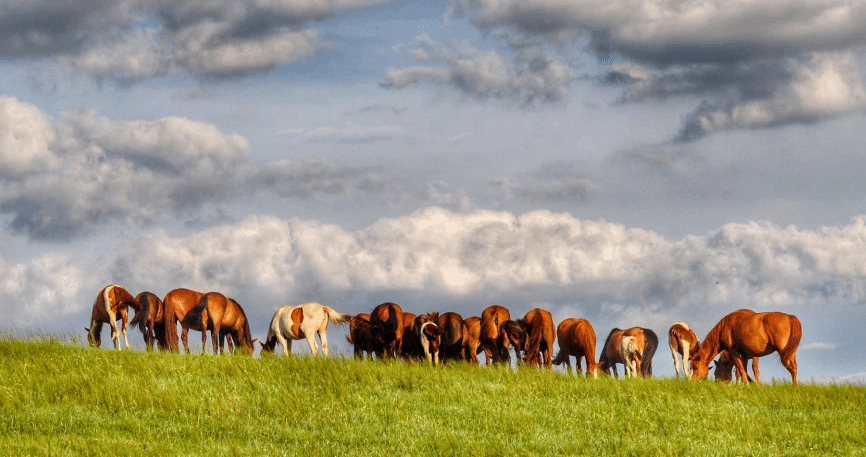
(68, 399)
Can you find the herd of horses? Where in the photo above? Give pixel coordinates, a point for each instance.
(389, 332)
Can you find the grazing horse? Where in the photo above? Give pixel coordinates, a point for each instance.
(610, 354)
(222, 316)
(746, 334)
(539, 332)
(451, 326)
(576, 338)
(411, 346)
(111, 305)
(492, 343)
(150, 320)
(427, 332)
(471, 339)
(725, 365)
(387, 322)
(631, 354)
(302, 321)
(176, 304)
(683, 341)
(361, 336)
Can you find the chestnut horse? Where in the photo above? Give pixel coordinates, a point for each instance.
(610, 355)
(150, 320)
(176, 304)
(471, 339)
(222, 316)
(683, 341)
(302, 321)
(577, 338)
(111, 305)
(387, 322)
(451, 346)
(495, 349)
(746, 334)
(539, 332)
(361, 336)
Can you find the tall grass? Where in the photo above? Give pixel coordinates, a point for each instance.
(60, 399)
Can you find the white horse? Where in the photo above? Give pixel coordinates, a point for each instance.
(683, 341)
(302, 321)
(631, 355)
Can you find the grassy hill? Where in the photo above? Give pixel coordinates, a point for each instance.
(63, 399)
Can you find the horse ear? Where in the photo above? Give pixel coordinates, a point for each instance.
(86, 329)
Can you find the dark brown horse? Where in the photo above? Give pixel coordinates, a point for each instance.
(724, 367)
(176, 304)
(222, 316)
(577, 338)
(411, 347)
(647, 341)
(111, 305)
(746, 334)
(492, 343)
(539, 333)
(451, 326)
(387, 322)
(471, 339)
(150, 319)
(683, 341)
(361, 336)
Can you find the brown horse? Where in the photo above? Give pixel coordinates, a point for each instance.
(361, 336)
(539, 332)
(150, 320)
(111, 305)
(471, 339)
(222, 316)
(176, 304)
(411, 347)
(647, 342)
(451, 327)
(683, 341)
(387, 322)
(577, 338)
(492, 343)
(746, 334)
(725, 366)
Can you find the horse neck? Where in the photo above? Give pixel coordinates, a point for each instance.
(710, 346)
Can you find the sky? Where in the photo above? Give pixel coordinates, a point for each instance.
(631, 163)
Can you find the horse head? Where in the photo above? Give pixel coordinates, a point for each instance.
(700, 370)
(93, 335)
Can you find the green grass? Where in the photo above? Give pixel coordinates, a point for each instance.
(58, 398)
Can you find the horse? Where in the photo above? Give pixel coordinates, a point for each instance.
(683, 341)
(610, 354)
(746, 334)
(725, 365)
(451, 327)
(427, 332)
(176, 304)
(411, 346)
(387, 322)
(361, 336)
(471, 339)
(302, 321)
(111, 305)
(539, 333)
(490, 336)
(576, 338)
(631, 354)
(150, 320)
(222, 316)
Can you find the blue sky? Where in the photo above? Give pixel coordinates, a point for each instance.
(633, 164)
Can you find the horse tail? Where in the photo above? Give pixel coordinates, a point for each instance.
(141, 314)
(170, 329)
(195, 314)
(652, 343)
(335, 317)
(794, 340)
(560, 358)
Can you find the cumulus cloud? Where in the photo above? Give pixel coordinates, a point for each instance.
(348, 133)
(47, 285)
(138, 39)
(526, 74)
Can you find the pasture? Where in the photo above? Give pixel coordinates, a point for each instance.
(60, 398)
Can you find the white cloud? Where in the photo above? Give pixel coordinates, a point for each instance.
(44, 289)
(25, 136)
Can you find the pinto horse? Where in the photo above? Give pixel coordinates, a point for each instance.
(471, 339)
(222, 316)
(610, 353)
(631, 353)
(150, 320)
(176, 304)
(361, 336)
(746, 334)
(387, 322)
(111, 305)
(537, 339)
(576, 338)
(427, 333)
(451, 346)
(491, 339)
(683, 342)
(302, 321)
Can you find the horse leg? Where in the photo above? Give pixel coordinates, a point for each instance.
(215, 334)
(311, 339)
(115, 333)
(674, 354)
(758, 373)
(285, 344)
(323, 335)
(789, 362)
(740, 364)
(184, 335)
